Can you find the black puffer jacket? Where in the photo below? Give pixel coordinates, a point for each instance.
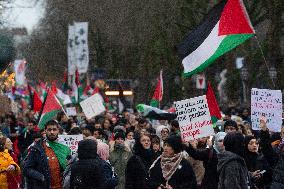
(183, 177)
(36, 169)
(232, 170)
(87, 172)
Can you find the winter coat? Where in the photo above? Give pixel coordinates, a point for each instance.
(275, 158)
(25, 140)
(6, 177)
(118, 159)
(36, 168)
(111, 179)
(210, 161)
(136, 173)
(256, 161)
(183, 177)
(232, 171)
(87, 172)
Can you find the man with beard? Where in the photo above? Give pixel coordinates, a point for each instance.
(46, 160)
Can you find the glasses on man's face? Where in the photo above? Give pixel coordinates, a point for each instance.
(164, 131)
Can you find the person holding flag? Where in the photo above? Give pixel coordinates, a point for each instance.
(46, 160)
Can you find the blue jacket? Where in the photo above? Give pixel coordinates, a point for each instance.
(36, 169)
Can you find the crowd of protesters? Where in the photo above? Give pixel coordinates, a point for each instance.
(129, 151)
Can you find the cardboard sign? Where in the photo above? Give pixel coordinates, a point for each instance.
(71, 111)
(71, 141)
(93, 106)
(266, 103)
(194, 118)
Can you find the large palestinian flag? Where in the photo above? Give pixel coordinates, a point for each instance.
(50, 109)
(225, 27)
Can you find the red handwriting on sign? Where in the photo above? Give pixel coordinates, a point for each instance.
(192, 133)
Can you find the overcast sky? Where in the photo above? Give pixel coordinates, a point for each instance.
(25, 13)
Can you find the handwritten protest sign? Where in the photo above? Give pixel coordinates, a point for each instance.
(93, 106)
(71, 111)
(267, 103)
(194, 118)
(71, 141)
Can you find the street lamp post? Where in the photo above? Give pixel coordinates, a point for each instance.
(244, 75)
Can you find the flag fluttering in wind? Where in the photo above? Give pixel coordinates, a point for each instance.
(62, 97)
(35, 100)
(50, 109)
(158, 94)
(212, 104)
(226, 26)
(155, 113)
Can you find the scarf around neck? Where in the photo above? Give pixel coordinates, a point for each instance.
(61, 151)
(169, 165)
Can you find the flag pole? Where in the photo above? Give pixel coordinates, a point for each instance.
(266, 63)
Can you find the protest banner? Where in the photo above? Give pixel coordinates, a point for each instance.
(267, 103)
(93, 106)
(194, 118)
(71, 111)
(71, 141)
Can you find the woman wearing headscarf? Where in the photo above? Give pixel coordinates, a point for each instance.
(231, 166)
(257, 165)
(111, 179)
(136, 173)
(171, 170)
(210, 160)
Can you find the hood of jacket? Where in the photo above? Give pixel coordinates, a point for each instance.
(226, 157)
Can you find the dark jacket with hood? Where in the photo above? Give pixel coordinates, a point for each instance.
(36, 168)
(275, 158)
(232, 171)
(87, 172)
(136, 173)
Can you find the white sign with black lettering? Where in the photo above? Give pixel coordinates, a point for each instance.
(194, 118)
(267, 103)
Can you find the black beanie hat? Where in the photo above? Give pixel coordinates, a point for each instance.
(87, 149)
(175, 142)
(230, 123)
(119, 134)
(235, 142)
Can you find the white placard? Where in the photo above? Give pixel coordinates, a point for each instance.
(267, 103)
(71, 141)
(194, 118)
(71, 111)
(93, 106)
(81, 46)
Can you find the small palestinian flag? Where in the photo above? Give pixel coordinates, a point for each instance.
(212, 104)
(50, 109)
(225, 27)
(158, 94)
(155, 113)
